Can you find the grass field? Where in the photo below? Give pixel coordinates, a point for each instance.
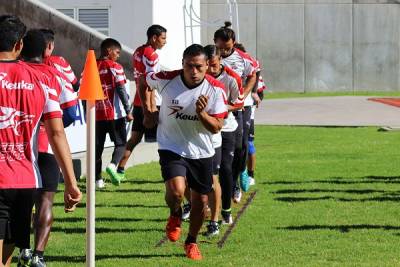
(325, 197)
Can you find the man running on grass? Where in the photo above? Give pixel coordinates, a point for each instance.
(193, 108)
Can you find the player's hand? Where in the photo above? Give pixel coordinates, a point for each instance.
(201, 103)
(72, 196)
(256, 99)
(129, 117)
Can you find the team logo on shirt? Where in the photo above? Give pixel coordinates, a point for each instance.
(180, 115)
(14, 86)
(2, 75)
(175, 109)
(12, 118)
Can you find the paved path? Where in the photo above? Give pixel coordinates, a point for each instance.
(327, 111)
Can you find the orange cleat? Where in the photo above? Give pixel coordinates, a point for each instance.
(173, 228)
(192, 251)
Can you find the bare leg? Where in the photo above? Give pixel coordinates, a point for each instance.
(215, 199)
(198, 212)
(135, 139)
(187, 193)
(7, 251)
(43, 219)
(251, 162)
(175, 190)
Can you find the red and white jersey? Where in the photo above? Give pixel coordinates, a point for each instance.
(66, 96)
(261, 85)
(111, 75)
(62, 66)
(25, 98)
(179, 128)
(145, 60)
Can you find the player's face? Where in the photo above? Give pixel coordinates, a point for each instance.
(214, 66)
(194, 69)
(226, 48)
(161, 40)
(114, 53)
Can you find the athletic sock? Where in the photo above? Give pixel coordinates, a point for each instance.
(121, 170)
(177, 213)
(190, 239)
(38, 253)
(251, 173)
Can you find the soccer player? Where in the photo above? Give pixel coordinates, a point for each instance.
(224, 142)
(193, 108)
(145, 60)
(32, 54)
(60, 63)
(244, 66)
(112, 112)
(25, 99)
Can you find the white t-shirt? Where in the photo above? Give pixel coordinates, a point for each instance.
(179, 128)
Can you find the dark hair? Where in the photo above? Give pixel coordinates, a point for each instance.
(48, 35)
(155, 30)
(239, 46)
(34, 44)
(12, 29)
(212, 51)
(194, 50)
(225, 33)
(109, 43)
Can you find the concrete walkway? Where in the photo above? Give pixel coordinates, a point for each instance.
(327, 111)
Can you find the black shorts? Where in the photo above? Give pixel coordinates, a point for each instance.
(49, 171)
(198, 172)
(251, 131)
(137, 125)
(15, 216)
(217, 160)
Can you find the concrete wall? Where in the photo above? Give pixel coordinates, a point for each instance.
(318, 45)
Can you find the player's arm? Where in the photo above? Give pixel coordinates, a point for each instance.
(147, 96)
(123, 95)
(58, 141)
(211, 123)
(250, 82)
(254, 94)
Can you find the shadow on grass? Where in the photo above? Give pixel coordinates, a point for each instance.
(350, 191)
(133, 181)
(102, 230)
(136, 190)
(108, 219)
(342, 180)
(303, 199)
(340, 228)
(76, 259)
(58, 204)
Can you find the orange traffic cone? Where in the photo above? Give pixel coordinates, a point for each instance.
(90, 88)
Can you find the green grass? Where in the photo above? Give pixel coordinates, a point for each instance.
(326, 197)
(276, 95)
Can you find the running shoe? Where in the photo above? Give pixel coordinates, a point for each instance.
(173, 228)
(186, 211)
(192, 251)
(37, 261)
(226, 217)
(112, 171)
(100, 184)
(244, 181)
(252, 181)
(212, 229)
(121, 176)
(237, 195)
(24, 258)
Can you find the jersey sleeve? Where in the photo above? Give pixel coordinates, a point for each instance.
(118, 74)
(217, 104)
(249, 68)
(52, 107)
(157, 81)
(150, 60)
(67, 97)
(236, 97)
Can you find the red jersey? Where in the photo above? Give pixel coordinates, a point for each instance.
(62, 66)
(111, 75)
(145, 60)
(25, 97)
(66, 96)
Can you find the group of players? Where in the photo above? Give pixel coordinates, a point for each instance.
(202, 117)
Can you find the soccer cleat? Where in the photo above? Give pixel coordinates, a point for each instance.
(192, 251)
(112, 171)
(212, 229)
(252, 181)
(226, 217)
(186, 211)
(100, 184)
(237, 195)
(244, 181)
(37, 261)
(24, 258)
(173, 228)
(121, 176)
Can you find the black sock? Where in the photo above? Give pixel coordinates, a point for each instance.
(39, 253)
(190, 239)
(177, 213)
(251, 173)
(121, 170)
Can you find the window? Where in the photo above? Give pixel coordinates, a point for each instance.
(96, 18)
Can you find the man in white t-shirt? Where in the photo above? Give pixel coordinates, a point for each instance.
(192, 110)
